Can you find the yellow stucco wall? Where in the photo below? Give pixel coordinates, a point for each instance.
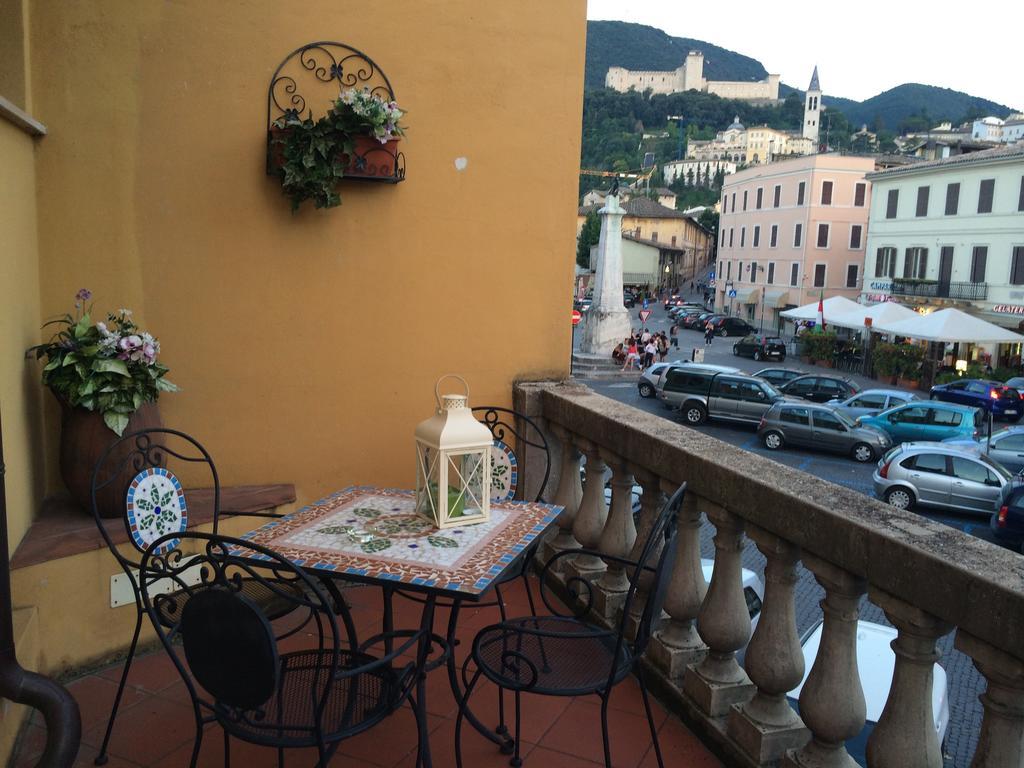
(20, 395)
(307, 345)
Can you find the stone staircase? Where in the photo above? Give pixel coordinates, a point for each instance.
(586, 366)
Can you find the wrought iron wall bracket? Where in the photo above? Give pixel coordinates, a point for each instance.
(318, 71)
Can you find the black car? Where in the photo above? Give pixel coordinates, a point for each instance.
(732, 326)
(820, 389)
(760, 347)
(1008, 522)
(779, 376)
(697, 322)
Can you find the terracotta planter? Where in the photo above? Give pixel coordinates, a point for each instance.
(83, 439)
(371, 158)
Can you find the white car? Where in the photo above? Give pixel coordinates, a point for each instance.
(875, 663)
(647, 385)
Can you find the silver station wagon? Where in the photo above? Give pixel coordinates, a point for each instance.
(820, 427)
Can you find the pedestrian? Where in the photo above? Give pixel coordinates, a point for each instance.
(662, 347)
(650, 350)
(632, 356)
(645, 337)
(691, 286)
(673, 334)
(709, 333)
(619, 354)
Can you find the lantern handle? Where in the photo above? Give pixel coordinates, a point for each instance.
(437, 387)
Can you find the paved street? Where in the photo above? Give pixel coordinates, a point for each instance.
(965, 684)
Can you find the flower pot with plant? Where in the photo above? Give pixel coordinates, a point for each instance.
(107, 379)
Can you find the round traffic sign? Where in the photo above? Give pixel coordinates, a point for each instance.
(576, 317)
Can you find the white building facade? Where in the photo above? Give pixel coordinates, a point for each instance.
(951, 233)
(690, 77)
(695, 172)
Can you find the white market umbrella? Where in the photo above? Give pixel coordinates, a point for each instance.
(887, 312)
(950, 325)
(833, 306)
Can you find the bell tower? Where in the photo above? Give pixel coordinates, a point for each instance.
(812, 110)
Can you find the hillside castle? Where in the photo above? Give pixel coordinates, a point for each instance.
(690, 77)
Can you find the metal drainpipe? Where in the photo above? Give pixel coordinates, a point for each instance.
(60, 711)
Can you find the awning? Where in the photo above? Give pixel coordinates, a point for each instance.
(746, 296)
(834, 305)
(950, 325)
(881, 314)
(776, 298)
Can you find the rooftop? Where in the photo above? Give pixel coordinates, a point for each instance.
(1008, 154)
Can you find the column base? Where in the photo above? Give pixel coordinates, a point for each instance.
(550, 547)
(674, 659)
(608, 603)
(815, 755)
(765, 743)
(582, 568)
(713, 697)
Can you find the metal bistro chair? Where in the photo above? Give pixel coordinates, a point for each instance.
(224, 648)
(134, 472)
(565, 655)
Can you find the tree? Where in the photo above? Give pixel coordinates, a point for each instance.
(709, 220)
(689, 177)
(589, 236)
(792, 115)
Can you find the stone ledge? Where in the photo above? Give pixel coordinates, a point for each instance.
(63, 529)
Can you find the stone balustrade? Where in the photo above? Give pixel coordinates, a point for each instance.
(929, 580)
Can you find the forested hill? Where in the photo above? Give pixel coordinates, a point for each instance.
(637, 46)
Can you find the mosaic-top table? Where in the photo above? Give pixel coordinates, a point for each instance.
(374, 535)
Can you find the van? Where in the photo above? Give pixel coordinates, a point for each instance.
(718, 392)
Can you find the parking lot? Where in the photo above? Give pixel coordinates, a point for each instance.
(965, 683)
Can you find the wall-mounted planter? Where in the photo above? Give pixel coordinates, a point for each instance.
(312, 153)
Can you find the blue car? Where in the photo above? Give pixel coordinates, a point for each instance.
(1001, 401)
(927, 421)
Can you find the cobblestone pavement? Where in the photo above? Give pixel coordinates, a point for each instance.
(965, 683)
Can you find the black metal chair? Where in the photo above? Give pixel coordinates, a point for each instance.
(136, 468)
(566, 655)
(224, 647)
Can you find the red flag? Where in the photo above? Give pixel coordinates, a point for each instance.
(821, 312)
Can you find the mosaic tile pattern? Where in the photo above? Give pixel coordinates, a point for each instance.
(155, 506)
(373, 534)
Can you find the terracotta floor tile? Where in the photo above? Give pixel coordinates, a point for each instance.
(477, 752)
(243, 754)
(390, 742)
(95, 696)
(680, 749)
(541, 757)
(151, 672)
(147, 731)
(626, 698)
(578, 732)
(539, 713)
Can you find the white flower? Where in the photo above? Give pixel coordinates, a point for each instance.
(125, 312)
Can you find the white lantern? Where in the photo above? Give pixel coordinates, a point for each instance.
(453, 463)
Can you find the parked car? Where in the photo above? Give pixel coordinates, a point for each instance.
(871, 401)
(1002, 401)
(697, 322)
(876, 661)
(701, 392)
(820, 389)
(779, 376)
(819, 426)
(649, 379)
(760, 347)
(582, 304)
(629, 298)
(1005, 446)
(732, 326)
(1017, 382)
(1007, 522)
(939, 475)
(928, 421)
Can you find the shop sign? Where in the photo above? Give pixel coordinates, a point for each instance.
(1009, 309)
(881, 285)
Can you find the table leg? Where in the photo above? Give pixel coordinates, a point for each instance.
(427, 626)
(507, 745)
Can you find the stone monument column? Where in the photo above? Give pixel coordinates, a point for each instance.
(607, 322)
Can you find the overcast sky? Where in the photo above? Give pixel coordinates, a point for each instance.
(861, 49)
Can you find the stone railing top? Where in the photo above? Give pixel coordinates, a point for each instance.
(956, 577)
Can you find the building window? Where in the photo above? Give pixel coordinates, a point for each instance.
(979, 258)
(985, 194)
(760, 197)
(885, 262)
(733, 207)
(1017, 266)
(673, 239)
(915, 263)
(819, 275)
(654, 237)
(794, 273)
(778, 194)
(739, 271)
(771, 272)
(859, 193)
(952, 198)
(753, 271)
(743, 237)
(744, 199)
(732, 231)
(757, 235)
(822, 236)
(722, 244)
(922, 201)
(855, 233)
(773, 240)
(892, 203)
(800, 192)
(798, 235)
(1020, 198)
(826, 193)
(720, 270)
(728, 270)
(851, 275)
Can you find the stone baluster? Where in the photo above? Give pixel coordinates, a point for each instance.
(718, 682)
(1001, 741)
(651, 502)
(766, 726)
(831, 700)
(905, 735)
(591, 516)
(677, 644)
(617, 539)
(567, 495)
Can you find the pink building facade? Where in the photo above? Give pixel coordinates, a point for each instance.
(790, 232)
